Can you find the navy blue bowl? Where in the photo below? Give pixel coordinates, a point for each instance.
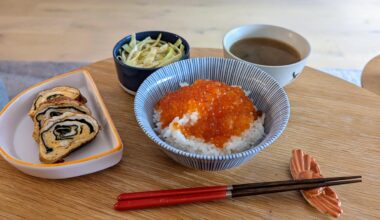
(131, 77)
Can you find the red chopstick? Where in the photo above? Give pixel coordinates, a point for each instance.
(127, 201)
(169, 200)
(171, 192)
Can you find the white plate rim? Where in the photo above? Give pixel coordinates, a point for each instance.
(104, 110)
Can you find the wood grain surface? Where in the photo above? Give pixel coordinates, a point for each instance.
(371, 75)
(336, 122)
(342, 34)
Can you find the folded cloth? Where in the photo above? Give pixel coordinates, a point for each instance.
(3, 95)
(19, 75)
(350, 75)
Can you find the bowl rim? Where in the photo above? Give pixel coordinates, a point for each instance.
(236, 29)
(246, 153)
(123, 40)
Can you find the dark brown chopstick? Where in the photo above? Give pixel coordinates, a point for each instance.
(291, 182)
(188, 195)
(285, 188)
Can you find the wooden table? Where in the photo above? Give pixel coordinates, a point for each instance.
(336, 122)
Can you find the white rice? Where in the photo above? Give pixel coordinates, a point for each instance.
(183, 84)
(236, 144)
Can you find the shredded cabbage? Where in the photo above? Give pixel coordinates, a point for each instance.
(150, 53)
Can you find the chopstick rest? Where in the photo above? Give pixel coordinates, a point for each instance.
(325, 200)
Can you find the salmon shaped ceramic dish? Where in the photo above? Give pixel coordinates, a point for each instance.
(18, 147)
(324, 199)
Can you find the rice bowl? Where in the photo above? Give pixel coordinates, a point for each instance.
(266, 94)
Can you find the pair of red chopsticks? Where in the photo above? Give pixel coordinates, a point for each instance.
(140, 200)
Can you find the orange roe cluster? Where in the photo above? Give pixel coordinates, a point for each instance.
(223, 111)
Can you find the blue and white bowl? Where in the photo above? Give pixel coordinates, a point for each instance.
(266, 93)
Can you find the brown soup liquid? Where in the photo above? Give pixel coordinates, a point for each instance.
(265, 51)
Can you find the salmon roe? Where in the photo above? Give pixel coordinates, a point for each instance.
(223, 111)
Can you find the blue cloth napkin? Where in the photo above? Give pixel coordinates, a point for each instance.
(350, 75)
(3, 95)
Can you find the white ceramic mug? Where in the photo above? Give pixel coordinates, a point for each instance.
(283, 74)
